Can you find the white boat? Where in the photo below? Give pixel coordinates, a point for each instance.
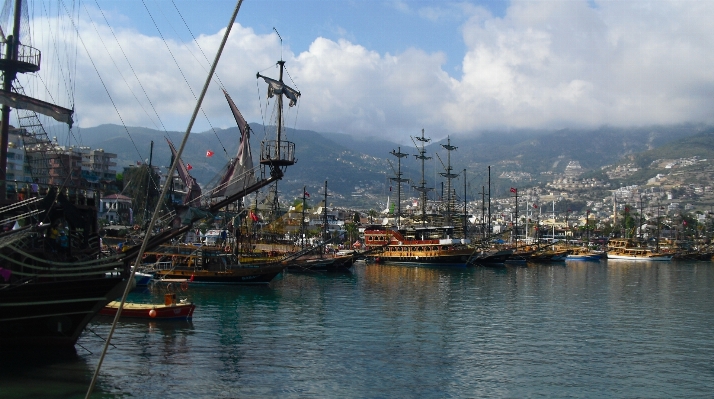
(626, 249)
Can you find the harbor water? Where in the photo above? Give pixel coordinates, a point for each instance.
(569, 330)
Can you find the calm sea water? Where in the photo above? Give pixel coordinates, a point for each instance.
(581, 330)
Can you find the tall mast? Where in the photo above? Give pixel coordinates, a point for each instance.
(280, 110)
(302, 220)
(324, 214)
(11, 66)
(448, 175)
(18, 58)
(278, 154)
(399, 180)
(422, 185)
(465, 216)
(489, 201)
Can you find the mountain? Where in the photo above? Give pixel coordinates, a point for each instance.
(357, 169)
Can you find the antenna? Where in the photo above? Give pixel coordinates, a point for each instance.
(281, 43)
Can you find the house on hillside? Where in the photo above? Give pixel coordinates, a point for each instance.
(116, 209)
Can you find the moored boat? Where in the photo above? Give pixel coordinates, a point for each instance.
(626, 249)
(53, 277)
(208, 264)
(169, 310)
(392, 246)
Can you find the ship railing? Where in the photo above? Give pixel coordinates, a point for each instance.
(277, 153)
(27, 60)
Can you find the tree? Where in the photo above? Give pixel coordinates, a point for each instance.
(372, 214)
(351, 231)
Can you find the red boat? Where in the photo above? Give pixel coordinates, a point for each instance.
(170, 310)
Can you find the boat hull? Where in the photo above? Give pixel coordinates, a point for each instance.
(181, 311)
(439, 260)
(239, 275)
(583, 258)
(53, 313)
(339, 263)
(650, 258)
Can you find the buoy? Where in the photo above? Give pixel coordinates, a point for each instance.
(184, 286)
(152, 313)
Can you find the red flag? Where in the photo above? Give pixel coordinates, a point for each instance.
(253, 216)
(513, 190)
(684, 222)
(188, 166)
(209, 153)
(535, 206)
(307, 194)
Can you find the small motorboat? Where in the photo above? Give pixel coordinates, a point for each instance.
(170, 310)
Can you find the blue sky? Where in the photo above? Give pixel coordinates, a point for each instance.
(390, 68)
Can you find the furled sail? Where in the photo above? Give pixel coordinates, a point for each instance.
(240, 172)
(15, 100)
(193, 190)
(277, 88)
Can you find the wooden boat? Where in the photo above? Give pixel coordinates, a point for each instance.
(584, 254)
(626, 249)
(170, 310)
(208, 264)
(328, 263)
(490, 257)
(392, 246)
(54, 277)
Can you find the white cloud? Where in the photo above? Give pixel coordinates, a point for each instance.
(543, 64)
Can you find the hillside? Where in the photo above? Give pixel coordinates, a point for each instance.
(357, 168)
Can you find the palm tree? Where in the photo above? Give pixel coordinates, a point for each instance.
(372, 214)
(351, 231)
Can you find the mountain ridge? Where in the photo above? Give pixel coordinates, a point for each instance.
(357, 169)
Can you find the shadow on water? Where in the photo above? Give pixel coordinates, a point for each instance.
(41, 374)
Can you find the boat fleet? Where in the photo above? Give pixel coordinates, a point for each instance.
(56, 273)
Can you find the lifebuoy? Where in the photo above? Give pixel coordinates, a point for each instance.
(227, 248)
(136, 227)
(184, 286)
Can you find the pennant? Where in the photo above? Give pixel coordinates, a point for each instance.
(209, 153)
(188, 166)
(5, 273)
(513, 190)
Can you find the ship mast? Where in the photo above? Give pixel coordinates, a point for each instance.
(399, 180)
(11, 64)
(448, 175)
(422, 185)
(18, 58)
(278, 154)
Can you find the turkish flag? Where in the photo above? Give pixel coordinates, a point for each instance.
(254, 217)
(188, 166)
(209, 153)
(513, 190)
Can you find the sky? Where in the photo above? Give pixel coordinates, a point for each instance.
(389, 68)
